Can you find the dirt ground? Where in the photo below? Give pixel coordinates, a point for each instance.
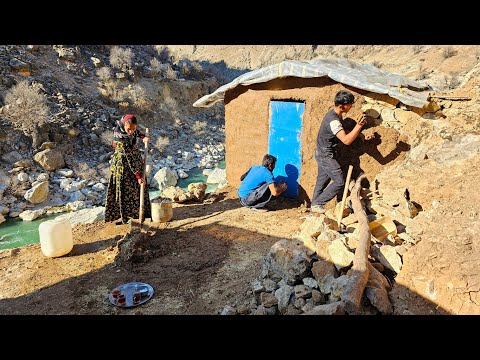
(204, 259)
(209, 254)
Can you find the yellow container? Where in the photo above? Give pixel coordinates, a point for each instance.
(381, 227)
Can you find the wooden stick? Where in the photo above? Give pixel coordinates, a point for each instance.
(142, 186)
(359, 273)
(344, 198)
(450, 97)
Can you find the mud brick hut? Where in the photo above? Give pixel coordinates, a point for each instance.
(278, 110)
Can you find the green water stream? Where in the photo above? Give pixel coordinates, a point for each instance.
(16, 232)
(194, 175)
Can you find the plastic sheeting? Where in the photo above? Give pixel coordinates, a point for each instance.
(362, 76)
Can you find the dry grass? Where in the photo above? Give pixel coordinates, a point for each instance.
(417, 49)
(199, 127)
(121, 58)
(104, 73)
(26, 108)
(170, 74)
(162, 143)
(448, 52)
(106, 137)
(192, 70)
(155, 67)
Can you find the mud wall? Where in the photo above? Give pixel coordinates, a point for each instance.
(247, 129)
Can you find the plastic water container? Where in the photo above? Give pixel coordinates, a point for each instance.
(55, 237)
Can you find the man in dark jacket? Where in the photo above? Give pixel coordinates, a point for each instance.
(330, 133)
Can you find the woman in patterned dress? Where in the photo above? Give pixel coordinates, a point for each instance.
(126, 169)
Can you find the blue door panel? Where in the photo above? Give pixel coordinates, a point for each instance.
(284, 142)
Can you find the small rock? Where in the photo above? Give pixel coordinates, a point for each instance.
(228, 310)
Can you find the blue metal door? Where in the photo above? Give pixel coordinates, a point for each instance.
(285, 142)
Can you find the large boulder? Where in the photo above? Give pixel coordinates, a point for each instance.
(217, 176)
(38, 193)
(30, 215)
(164, 178)
(4, 209)
(50, 159)
(197, 190)
(84, 216)
(289, 260)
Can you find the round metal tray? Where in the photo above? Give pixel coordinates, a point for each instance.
(130, 294)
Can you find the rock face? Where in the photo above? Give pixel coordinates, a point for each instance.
(50, 159)
(85, 216)
(38, 193)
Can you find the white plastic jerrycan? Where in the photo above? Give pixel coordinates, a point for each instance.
(55, 237)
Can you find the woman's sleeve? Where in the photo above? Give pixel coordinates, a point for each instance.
(140, 135)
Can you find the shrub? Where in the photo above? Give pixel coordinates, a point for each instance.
(163, 53)
(170, 74)
(422, 73)
(104, 73)
(140, 98)
(417, 49)
(156, 67)
(162, 143)
(26, 109)
(199, 127)
(121, 58)
(106, 137)
(192, 70)
(449, 51)
(452, 82)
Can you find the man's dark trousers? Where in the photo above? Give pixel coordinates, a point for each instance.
(257, 198)
(328, 169)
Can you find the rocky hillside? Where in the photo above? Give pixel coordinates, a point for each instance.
(58, 108)
(443, 67)
(58, 104)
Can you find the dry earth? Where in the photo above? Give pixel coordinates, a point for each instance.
(205, 258)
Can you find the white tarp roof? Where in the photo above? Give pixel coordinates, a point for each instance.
(362, 76)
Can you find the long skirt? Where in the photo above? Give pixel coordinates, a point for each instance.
(123, 194)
